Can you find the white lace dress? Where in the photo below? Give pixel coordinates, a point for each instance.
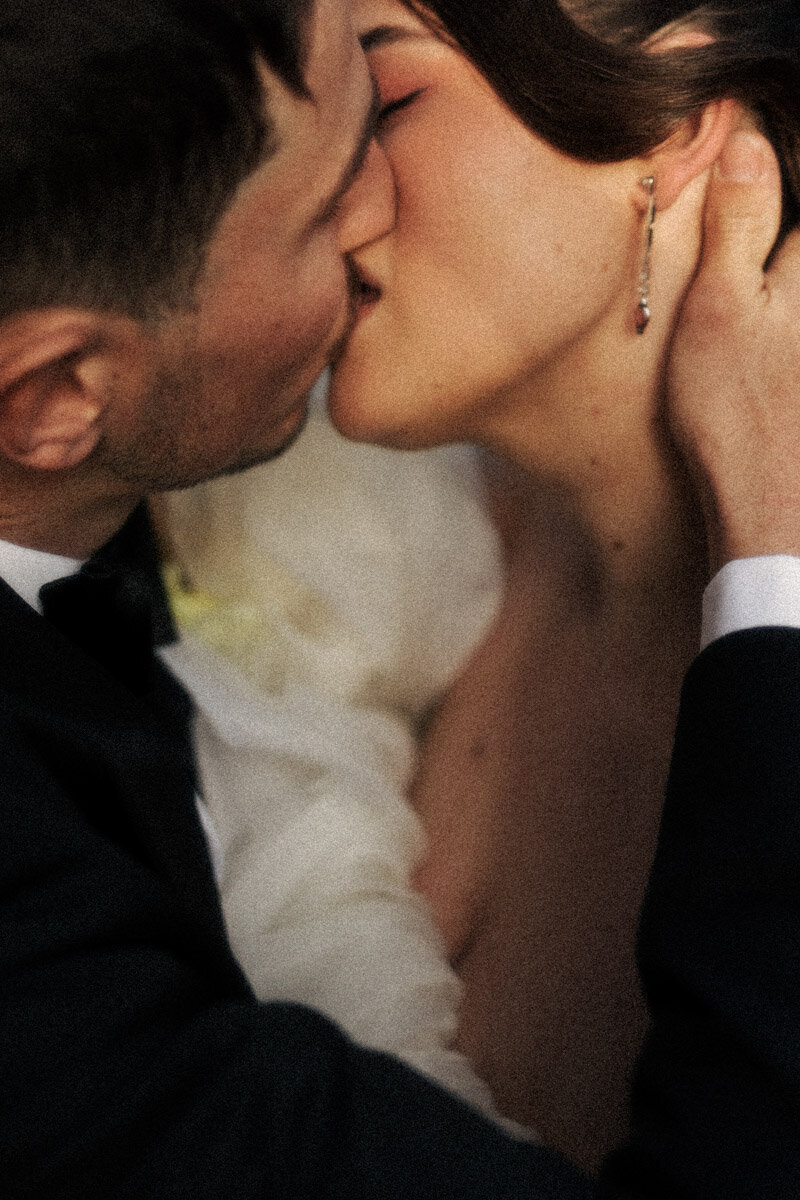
(335, 594)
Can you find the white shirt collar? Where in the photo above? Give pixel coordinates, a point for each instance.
(27, 570)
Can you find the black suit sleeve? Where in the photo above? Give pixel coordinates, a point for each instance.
(717, 1098)
(127, 1070)
(130, 1071)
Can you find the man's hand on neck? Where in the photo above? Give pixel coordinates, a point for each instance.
(734, 402)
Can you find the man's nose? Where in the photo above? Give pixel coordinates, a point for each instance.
(368, 210)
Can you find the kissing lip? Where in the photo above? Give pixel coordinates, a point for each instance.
(368, 290)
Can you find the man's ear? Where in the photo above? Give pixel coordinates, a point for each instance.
(691, 150)
(58, 370)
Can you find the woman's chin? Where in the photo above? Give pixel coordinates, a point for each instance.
(364, 406)
(381, 393)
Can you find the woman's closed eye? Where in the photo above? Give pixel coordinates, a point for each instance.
(393, 106)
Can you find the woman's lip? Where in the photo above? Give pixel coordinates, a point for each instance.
(368, 294)
(366, 304)
(367, 284)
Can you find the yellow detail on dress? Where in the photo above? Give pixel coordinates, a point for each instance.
(242, 633)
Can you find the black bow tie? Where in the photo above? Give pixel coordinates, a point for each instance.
(115, 607)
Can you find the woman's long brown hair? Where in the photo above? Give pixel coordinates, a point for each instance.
(582, 74)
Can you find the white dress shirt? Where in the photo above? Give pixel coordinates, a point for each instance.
(26, 570)
(750, 592)
(745, 593)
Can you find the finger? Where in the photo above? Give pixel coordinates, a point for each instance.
(743, 211)
(784, 271)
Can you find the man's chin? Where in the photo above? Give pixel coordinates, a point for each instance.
(339, 348)
(294, 426)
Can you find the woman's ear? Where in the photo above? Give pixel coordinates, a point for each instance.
(691, 150)
(698, 141)
(57, 373)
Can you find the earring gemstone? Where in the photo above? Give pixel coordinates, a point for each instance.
(642, 316)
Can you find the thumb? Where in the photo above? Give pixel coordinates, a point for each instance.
(742, 213)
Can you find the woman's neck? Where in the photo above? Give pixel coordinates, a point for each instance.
(590, 431)
(625, 542)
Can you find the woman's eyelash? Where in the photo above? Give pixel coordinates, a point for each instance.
(395, 105)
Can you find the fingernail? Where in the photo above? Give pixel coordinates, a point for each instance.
(744, 158)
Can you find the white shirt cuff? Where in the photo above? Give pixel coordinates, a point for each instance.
(749, 592)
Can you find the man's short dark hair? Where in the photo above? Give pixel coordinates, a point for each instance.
(125, 128)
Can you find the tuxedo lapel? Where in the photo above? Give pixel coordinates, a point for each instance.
(112, 747)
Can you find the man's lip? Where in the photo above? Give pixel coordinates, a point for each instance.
(368, 290)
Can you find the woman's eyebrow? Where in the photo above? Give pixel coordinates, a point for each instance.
(384, 35)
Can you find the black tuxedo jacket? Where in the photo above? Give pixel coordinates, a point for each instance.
(135, 1061)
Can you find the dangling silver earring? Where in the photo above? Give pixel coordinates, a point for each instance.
(643, 307)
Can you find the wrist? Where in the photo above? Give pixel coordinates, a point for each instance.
(755, 517)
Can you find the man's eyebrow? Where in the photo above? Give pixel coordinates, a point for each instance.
(355, 162)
